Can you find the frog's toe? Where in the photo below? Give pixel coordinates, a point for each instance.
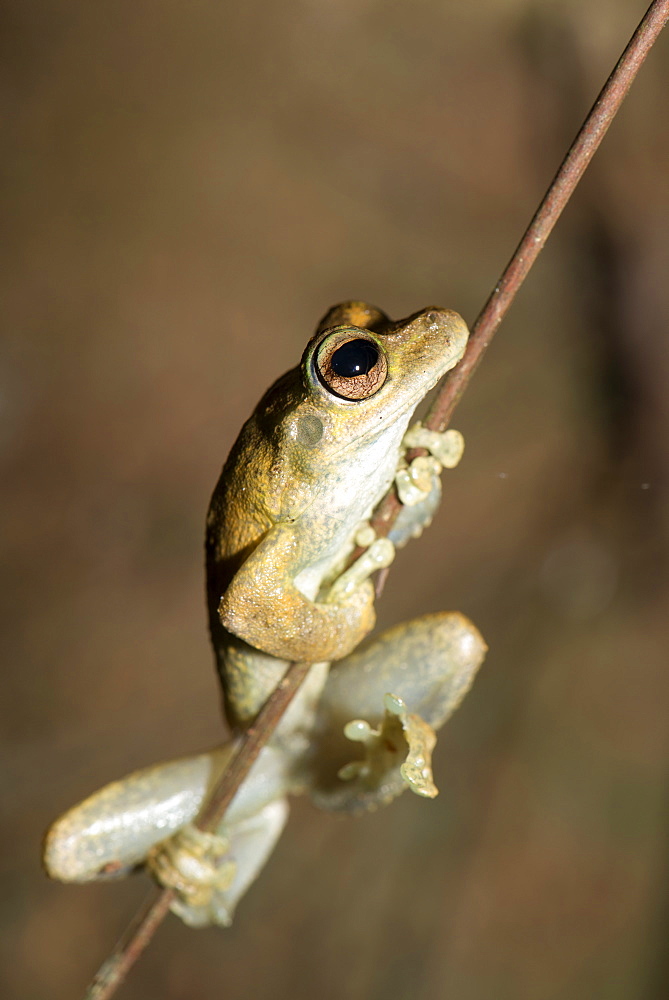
(416, 482)
(446, 446)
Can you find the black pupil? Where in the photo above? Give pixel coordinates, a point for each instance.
(356, 357)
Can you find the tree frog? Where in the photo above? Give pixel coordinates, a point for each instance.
(321, 449)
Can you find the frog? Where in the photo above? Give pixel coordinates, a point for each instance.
(293, 503)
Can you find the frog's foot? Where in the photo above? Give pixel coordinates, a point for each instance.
(430, 663)
(378, 554)
(415, 482)
(210, 872)
(193, 863)
(402, 736)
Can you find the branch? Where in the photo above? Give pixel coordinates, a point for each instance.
(156, 907)
(558, 194)
(142, 929)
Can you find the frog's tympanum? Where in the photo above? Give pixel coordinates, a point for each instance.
(323, 446)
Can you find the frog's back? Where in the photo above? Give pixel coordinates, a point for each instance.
(247, 496)
(245, 505)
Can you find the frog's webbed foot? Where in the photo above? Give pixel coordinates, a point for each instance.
(429, 664)
(418, 484)
(402, 736)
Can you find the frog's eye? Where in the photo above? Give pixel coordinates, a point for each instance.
(351, 367)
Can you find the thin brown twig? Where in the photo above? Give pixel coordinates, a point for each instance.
(157, 905)
(142, 929)
(558, 194)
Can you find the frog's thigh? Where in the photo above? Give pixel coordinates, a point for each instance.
(112, 830)
(251, 842)
(429, 662)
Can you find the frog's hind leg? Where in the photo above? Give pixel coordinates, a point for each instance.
(112, 831)
(146, 819)
(426, 666)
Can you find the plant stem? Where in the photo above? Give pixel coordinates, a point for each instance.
(142, 929)
(157, 905)
(532, 243)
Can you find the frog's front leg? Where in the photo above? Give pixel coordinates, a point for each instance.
(418, 483)
(428, 666)
(263, 606)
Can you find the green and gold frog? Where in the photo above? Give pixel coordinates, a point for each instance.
(319, 452)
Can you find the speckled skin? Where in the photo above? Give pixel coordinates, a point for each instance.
(306, 470)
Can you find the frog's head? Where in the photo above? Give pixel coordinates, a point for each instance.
(368, 371)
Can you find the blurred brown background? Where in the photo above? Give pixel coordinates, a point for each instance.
(188, 187)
